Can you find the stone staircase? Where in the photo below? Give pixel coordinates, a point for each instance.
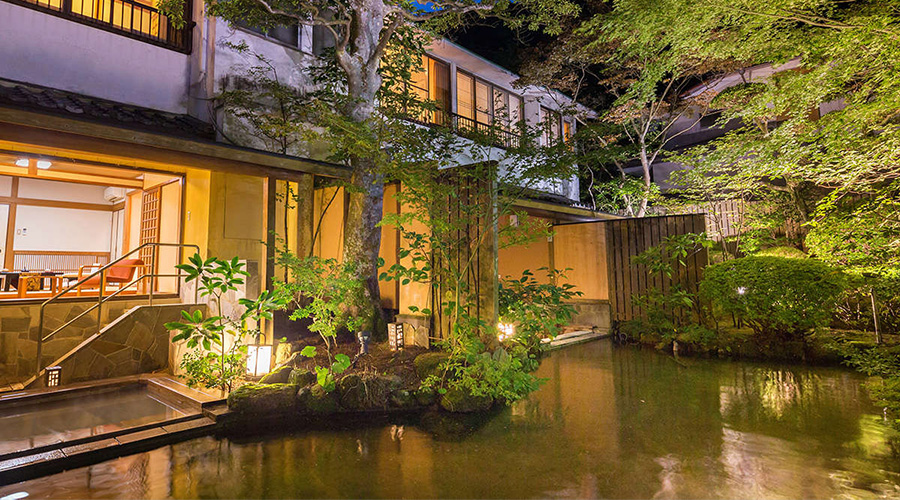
(133, 343)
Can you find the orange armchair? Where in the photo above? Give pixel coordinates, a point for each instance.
(119, 274)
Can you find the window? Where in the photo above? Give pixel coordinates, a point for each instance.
(433, 84)
(322, 39)
(551, 122)
(486, 104)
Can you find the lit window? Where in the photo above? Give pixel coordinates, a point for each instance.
(551, 123)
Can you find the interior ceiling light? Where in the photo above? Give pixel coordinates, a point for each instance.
(43, 164)
(22, 162)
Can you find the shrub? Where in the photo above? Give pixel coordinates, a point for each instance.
(785, 252)
(855, 308)
(537, 309)
(775, 296)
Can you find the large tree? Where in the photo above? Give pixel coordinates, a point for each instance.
(627, 59)
(363, 31)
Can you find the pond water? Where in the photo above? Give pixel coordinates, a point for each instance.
(609, 422)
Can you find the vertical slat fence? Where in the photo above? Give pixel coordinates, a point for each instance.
(626, 238)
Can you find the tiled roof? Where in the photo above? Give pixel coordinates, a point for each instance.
(72, 105)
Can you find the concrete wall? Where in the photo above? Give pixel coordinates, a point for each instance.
(46, 50)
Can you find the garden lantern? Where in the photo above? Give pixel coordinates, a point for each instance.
(505, 331)
(259, 359)
(395, 336)
(364, 337)
(53, 376)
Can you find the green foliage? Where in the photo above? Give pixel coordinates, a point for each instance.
(325, 376)
(538, 309)
(623, 195)
(211, 362)
(859, 234)
(324, 290)
(665, 310)
(205, 368)
(855, 307)
(783, 252)
(777, 297)
(329, 293)
(504, 374)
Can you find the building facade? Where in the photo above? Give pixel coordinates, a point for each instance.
(112, 145)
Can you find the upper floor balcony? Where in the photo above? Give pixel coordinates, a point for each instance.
(138, 19)
(473, 106)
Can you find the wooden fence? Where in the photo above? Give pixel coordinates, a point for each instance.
(626, 238)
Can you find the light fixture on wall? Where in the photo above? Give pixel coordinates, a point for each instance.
(22, 162)
(43, 164)
(259, 359)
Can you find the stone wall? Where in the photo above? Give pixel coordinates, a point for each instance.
(136, 342)
(591, 313)
(19, 330)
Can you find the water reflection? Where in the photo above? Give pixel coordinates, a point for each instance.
(609, 422)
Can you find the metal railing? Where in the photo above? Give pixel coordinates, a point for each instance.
(496, 134)
(101, 299)
(128, 17)
(464, 126)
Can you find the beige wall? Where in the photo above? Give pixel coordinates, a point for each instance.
(390, 241)
(329, 242)
(582, 247)
(516, 259)
(196, 208)
(169, 232)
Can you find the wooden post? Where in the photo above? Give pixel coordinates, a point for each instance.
(488, 265)
(271, 229)
(305, 214)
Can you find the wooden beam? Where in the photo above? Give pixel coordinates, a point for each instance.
(562, 212)
(28, 127)
(9, 258)
(48, 175)
(33, 202)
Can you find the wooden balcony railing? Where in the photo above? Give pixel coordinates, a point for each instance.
(126, 17)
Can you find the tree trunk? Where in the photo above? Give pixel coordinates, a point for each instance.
(362, 235)
(645, 167)
(360, 59)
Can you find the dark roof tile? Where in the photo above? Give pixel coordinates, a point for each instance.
(35, 97)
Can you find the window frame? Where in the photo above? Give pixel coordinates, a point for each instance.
(510, 125)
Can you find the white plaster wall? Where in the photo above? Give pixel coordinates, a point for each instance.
(5, 185)
(62, 229)
(46, 50)
(61, 191)
(288, 61)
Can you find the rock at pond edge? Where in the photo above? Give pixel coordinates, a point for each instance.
(262, 398)
(279, 376)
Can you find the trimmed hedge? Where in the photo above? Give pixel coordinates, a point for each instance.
(775, 296)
